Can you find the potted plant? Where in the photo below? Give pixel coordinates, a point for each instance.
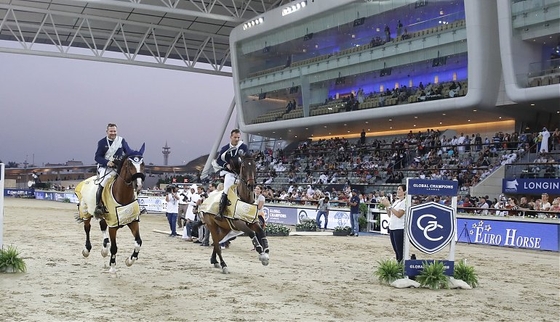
(389, 270)
(364, 208)
(433, 276)
(10, 262)
(466, 273)
(272, 229)
(342, 231)
(307, 225)
(362, 223)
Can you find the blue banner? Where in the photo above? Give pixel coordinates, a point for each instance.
(432, 187)
(45, 195)
(529, 235)
(8, 192)
(414, 267)
(281, 215)
(531, 186)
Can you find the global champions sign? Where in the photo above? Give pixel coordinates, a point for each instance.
(431, 227)
(531, 186)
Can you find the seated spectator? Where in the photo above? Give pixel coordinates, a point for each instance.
(484, 205)
(512, 207)
(291, 106)
(555, 207)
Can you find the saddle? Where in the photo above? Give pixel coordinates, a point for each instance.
(237, 209)
(118, 215)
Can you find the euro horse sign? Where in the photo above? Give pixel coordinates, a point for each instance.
(431, 226)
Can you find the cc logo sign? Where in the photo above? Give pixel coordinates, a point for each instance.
(431, 226)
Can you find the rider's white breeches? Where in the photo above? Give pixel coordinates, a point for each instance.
(229, 180)
(104, 174)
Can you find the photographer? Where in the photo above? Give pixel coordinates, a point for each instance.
(172, 199)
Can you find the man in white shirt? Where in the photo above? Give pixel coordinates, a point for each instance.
(483, 204)
(189, 216)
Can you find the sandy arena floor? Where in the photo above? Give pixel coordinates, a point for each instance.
(314, 278)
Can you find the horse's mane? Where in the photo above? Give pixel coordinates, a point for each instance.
(235, 164)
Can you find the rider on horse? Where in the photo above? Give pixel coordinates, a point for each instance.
(223, 164)
(109, 151)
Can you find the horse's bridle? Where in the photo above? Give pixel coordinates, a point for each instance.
(250, 182)
(137, 162)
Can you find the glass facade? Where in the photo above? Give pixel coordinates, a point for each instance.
(537, 24)
(360, 47)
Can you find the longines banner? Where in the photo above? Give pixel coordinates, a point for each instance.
(531, 186)
(503, 233)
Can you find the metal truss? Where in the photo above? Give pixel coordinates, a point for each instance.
(183, 35)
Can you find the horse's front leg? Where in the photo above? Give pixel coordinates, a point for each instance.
(87, 228)
(135, 230)
(106, 242)
(258, 238)
(261, 236)
(113, 258)
(260, 241)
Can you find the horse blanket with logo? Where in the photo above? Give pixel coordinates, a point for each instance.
(119, 215)
(238, 209)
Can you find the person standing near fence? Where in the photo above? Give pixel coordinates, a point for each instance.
(396, 212)
(323, 210)
(354, 213)
(259, 201)
(183, 205)
(172, 199)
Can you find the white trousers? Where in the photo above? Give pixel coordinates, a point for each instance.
(229, 180)
(104, 174)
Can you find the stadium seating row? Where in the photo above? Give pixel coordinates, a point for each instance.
(420, 33)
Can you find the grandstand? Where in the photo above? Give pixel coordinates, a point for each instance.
(389, 67)
(442, 68)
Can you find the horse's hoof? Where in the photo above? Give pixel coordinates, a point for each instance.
(225, 270)
(112, 270)
(217, 265)
(85, 252)
(264, 258)
(129, 261)
(104, 252)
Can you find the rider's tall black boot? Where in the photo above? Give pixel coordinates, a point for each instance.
(224, 202)
(99, 208)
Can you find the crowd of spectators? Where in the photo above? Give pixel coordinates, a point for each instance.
(467, 159)
(331, 167)
(524, 206)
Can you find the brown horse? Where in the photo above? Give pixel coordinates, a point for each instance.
(221, 224)
(119, 197)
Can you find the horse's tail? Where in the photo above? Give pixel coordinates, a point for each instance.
(78, 219)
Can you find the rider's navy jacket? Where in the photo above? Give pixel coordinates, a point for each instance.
(102, 148)
(222, 159)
